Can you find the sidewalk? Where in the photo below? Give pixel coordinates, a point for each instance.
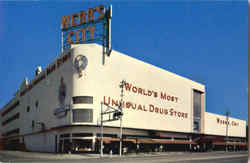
(41, 155)
(53, 156)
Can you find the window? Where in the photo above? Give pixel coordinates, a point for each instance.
(197, 104)
(82, 134)
(65, 135)
(106, 135)
(28, 109)
(82, 115)
(33, 124)
(83, 100)
(11, 132)
(196, 110)
(10, 108)
(196, 125)
(37, 103)
(14, 117)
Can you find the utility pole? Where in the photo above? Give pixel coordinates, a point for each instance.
(120, 107)
(227, 114)
(112, 114)
(101, 130)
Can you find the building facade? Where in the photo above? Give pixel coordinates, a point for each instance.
(59, 110)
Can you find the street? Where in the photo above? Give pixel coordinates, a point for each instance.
(185, 157)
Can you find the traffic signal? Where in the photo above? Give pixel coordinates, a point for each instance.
(117, 115)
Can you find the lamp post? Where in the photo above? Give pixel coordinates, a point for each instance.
(112, 114)
(101, 130)
(227, 114)
(120, 107)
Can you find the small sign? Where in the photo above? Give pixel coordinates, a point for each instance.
(80, 64)
(60, 112)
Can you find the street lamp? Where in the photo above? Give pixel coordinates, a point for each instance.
(121, 110)
(227, 114)
(114, 114)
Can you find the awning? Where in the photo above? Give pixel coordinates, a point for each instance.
(109, 140)
(231, 143)
(164, 141)
(106, 140)
(205, 139)
(145, 141)
(124, 140)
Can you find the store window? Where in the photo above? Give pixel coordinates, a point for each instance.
(83, 100)
(82, 115)
(82, 134)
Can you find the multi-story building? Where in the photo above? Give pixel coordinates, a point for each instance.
(61, 108)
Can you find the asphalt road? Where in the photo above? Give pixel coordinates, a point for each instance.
(227, 160)
(211, 157)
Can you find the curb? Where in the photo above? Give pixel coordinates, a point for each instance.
(37, 155)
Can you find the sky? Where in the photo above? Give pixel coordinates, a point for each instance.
(204, 41)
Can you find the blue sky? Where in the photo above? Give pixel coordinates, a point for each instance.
(203, 41)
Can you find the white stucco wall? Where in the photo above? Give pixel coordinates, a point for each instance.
(103, 80)
(216, 125)
(46, 93)
(150, 111)
(43, 142)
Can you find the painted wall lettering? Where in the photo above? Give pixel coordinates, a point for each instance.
(147, 92)
(225, 122)
(46, 72)
(146, 108)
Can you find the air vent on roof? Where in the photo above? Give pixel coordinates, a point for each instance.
(38, 70)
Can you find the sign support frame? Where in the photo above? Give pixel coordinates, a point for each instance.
(108, 112)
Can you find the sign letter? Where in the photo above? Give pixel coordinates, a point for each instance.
(65, 22)
(100, 10)
(90, 15)
(73, 20)
(92, 30)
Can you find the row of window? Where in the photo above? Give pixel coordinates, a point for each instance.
(12, 107)
(76, 100)
(82, 115)
(82, 100)
(197, 110)
(12, 132)
(79, 115)
(14, 117)
(36, 105)
(76, 135)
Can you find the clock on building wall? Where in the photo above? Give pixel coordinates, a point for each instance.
(80, 63)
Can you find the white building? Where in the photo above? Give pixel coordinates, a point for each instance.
(61, 107)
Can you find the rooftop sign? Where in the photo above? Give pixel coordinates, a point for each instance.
(88, 26)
